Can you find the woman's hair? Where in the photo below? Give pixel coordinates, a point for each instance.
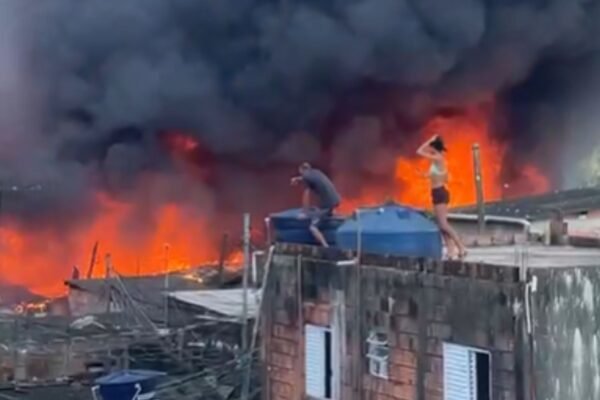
(438, 144)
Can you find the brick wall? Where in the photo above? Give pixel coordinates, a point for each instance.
(418, 304)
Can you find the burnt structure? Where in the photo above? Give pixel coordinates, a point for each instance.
(121, 323)
(412, 329)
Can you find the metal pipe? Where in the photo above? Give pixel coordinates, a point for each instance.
(346, 263)
(268, 230)
(479, 187)
(255, 255)
(491, 219)
(358, 310)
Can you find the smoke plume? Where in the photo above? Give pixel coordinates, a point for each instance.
(92, 89)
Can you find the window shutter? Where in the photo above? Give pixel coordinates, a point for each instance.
(314, 356)
(459, 373)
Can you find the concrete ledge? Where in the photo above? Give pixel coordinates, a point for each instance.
(479, 270)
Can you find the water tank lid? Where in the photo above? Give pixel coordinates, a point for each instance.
(291, 213)
(295, 212)
(128, 377)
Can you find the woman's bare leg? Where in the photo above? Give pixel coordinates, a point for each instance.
(448, 240)
(450, 246)
(441, 213)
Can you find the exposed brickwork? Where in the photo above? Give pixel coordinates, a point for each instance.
(317, 314)
(282, 336)
(419, 304)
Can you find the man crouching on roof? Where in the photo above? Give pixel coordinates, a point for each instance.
(320, 185)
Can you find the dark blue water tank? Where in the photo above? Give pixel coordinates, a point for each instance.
(124, 385)
(288, 227)
(392, 229)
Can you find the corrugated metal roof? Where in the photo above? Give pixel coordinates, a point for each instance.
(227, 302)
(541, 207)
(148, 292)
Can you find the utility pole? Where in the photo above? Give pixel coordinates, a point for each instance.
(479, 188)
(247, 352)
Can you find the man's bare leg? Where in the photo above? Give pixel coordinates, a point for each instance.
(318, 235)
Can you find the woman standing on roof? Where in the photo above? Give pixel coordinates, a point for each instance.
(434, 150)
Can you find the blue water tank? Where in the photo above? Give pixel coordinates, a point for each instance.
(128, 385)
(392, 229)
(289, 227)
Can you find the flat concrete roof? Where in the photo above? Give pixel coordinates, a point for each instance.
(536, 256)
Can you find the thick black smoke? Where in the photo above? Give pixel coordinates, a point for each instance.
(92, 85)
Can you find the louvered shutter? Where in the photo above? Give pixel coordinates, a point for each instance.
(459, 373)
(314, 356)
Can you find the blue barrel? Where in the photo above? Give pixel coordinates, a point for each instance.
(289, 227)
(392, 229)
(128, 385)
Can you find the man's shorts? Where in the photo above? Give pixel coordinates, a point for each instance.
(319, 214)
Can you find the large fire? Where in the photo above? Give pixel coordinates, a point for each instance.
(411, 185)
(41, 260)
(173, 239)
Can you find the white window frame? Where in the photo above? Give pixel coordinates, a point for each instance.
(470, 358)
(378, 365)
(333, 359)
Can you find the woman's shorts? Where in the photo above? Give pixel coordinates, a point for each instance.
(440, 195)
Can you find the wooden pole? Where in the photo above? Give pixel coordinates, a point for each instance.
(479, 188)
(245, 281)
(90, 272)
(107, 277)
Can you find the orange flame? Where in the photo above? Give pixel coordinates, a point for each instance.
(177, 238)
(411, 185)
(42, 260)
(32, 308)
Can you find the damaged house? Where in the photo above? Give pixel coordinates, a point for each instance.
(149, 293)
(203, 333)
